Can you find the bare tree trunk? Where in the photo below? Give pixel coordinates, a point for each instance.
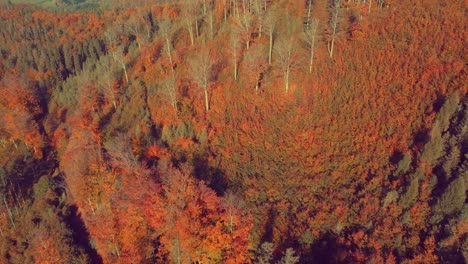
(331, 45)
(236, 10)
(207, 102)
(177, 251)
(311, 59)
(225, 15)
(169, 53)
(311, 35)
(210, 18)
(334, 24)
(235, 52)
(200, 68)
(270, 52)
(380, 3)
(125, 72)
(190, 30)
(174, 104)
(148, 32)
(235, 70)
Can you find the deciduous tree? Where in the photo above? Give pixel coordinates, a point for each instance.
(310, 36)
(201, 71)
(287, 51)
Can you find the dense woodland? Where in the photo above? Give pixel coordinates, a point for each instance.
(234, 131)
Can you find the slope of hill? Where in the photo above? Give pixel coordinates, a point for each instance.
(234, 132)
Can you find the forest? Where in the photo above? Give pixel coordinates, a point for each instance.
(233, 131)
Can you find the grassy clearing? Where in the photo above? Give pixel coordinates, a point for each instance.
(64, 5)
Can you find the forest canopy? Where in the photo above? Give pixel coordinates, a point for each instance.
(229, 131)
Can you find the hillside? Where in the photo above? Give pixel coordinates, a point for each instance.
(233, 132)
(57, 4)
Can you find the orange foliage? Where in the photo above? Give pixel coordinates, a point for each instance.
(19, 107)
(193, 224)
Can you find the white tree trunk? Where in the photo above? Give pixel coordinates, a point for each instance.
(207, 102)
(235, 70)
(311, 58)
(125, 71)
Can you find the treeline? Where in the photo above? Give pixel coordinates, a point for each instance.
(234, 132)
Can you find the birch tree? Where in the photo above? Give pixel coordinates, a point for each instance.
(335, 12)
(121, 60)
(269, 24)
(190, 16)
(244, 25)
(286, 51)
(235, 52)
(137, 26)
(169, 89)
(310, 36)
(200, 69)
(260, 14)
(107, 81)
(226, 8)
(115, 48)
(166, 29)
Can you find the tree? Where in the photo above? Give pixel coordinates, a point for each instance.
(270, 23)
(335, 15)
(235, 52)
(289, 257)
(200, 69)
(112, 39)
(115, 47)
(19, 108)
(255, 65)
(121, 59)
(137, 25)
(259, 12)
(265, 253)
(238, 223)
(226, 7)
(107, 82)
(244, 25)
(193, 225)
(166, 29)
(232, 203)
(211, 21)
(169, 89)
(121, 156)
(190, 14)
(310, 36)
(286, 51)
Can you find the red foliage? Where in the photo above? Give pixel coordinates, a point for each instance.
(19, 109)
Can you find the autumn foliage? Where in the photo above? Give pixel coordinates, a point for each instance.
(234, 132)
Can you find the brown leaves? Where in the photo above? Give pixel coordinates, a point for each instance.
(19, 108)
(195, 226)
